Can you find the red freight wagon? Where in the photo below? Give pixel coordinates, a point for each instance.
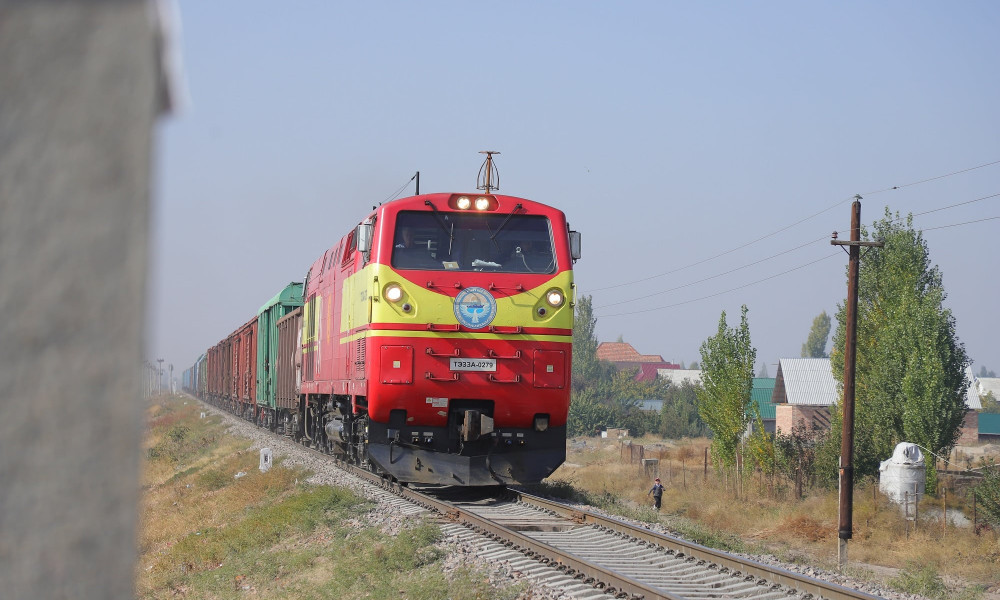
(242, 354)
(288, 363)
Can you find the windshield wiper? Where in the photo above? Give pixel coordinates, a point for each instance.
(451, 233)
(493, 235)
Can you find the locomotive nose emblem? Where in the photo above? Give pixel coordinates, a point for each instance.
(475, 307)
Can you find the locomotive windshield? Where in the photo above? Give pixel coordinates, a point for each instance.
(473, 241)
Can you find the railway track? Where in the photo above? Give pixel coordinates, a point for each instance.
(587, 555)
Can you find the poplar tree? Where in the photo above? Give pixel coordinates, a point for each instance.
(587, 368)
(910, 376)
(815, 346)
(724, 404)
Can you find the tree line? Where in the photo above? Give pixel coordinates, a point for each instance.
(603, 396)
(910, 377)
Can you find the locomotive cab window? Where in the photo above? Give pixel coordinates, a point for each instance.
(473, 242)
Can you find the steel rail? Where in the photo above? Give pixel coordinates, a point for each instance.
(612, 582)
(799, 583)
(600, 577)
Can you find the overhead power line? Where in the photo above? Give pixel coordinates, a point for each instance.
(740, 287)
(729, 272)
(799, 247)
(787, 227)
(959, 224)
(927, 212)
(752, 283)
(898, 187)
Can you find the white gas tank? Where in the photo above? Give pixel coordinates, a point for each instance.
(904, 474)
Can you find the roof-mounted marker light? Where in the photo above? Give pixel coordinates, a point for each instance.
(463, 202)
(482, 203)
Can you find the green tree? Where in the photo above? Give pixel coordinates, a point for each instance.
(724, 403)
(988, 494)
(601, 395)
(910, 376)
(984, 373)
(679, 415)
(815, 346)
(990, 403)
(588, 370)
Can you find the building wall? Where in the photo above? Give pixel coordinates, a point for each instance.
(970, 428)
(788, 415)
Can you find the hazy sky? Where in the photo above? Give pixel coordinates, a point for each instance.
(669, 132)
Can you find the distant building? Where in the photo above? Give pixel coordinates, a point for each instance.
(970, 425)
(678, 376)
(763, 389)
(804, 391)
(653, 404)
(987, 424)
(624, 356)
(987, 385)
(989, 427)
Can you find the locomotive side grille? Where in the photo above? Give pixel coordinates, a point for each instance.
(359, 358)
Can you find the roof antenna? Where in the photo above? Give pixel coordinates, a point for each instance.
(489, 171)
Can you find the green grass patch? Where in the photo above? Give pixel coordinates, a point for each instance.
(206, 534)
(925, 581)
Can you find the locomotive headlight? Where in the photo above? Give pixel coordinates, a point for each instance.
(555, 298)
(393, 293)
(482, 203)
(464, 203)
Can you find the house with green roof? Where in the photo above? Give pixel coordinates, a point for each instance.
(989, 427)
(763, 388)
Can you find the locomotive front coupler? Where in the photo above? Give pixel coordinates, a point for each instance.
(475, 425)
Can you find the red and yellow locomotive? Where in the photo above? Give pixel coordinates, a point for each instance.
(432, 344)
(436, 341)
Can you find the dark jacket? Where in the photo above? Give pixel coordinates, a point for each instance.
(657, 490)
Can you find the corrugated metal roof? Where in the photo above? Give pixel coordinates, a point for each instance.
(972, 394)
(989, 423)
(989, 384)
(677, 376)
(761, 392)
(806, 381)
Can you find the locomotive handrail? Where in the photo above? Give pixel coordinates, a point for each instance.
(457, 285)
(517, 287)
(506, 329)
(438, 327)
(493, 354)
(494, 379)
(429, 375)
(430, 352)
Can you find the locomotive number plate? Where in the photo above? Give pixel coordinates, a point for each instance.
(474, 364)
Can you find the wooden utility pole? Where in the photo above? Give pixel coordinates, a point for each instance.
(850, 356)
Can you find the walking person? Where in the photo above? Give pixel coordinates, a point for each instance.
(657, 492)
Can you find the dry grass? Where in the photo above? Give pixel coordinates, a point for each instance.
(206, 534)
(765, 518)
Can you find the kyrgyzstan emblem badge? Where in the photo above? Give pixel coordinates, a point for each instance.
(475, 307)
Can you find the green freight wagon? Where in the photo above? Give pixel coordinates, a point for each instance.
(268, 316)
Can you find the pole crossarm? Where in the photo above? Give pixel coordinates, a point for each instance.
(850, 243)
